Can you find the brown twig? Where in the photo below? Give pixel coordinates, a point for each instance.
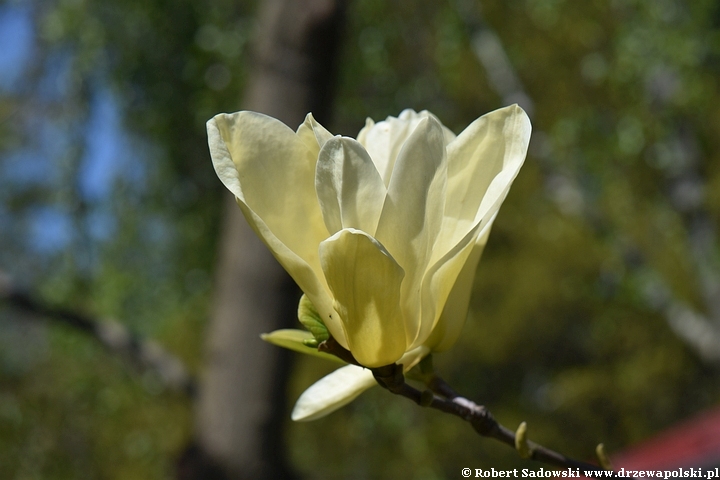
(440, 396)
(332, 347)
(482, 421)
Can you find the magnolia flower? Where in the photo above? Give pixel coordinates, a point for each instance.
(383, 234)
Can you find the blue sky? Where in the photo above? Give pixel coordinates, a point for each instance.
(16, 43)
(107, 154)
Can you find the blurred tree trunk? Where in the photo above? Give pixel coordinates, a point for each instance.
(242, 407)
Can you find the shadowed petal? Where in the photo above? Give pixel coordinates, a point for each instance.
(313, 134)
(349, 187)
(413, 211)
(438, 283)
(384, 140)
(448, 327)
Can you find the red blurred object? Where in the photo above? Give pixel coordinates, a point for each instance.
(693, 443)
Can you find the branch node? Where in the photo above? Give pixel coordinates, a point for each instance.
(477, 415)
(426, 398)
(390, 377)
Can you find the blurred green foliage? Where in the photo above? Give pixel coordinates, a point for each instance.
(560, 335)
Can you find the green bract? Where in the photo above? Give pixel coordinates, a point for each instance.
(382, 233)
(310, 319)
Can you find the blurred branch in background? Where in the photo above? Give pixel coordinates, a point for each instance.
(141, 352)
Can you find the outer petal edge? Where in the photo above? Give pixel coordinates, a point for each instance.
(332, 392)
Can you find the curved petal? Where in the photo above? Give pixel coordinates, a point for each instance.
(452, 319)
(313, 134)
(332, 392)
(482, 163)
(271, 172)
(438, 283)
(384, 140)
(349, 188)
(363, 133)
(275, 176)
(365, 282)
(413, 211)
(412, 357)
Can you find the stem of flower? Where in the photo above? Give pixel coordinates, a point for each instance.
(332, 347)
(447, 400)
(440, 396)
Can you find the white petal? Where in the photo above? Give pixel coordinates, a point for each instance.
(362, 135)
(413, 211)
(332, 392)
(342, 387)
(349, 187)
(448, 135)
(365, 282)
(271, 172)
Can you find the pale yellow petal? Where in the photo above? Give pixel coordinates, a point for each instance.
(332, 392)
(365, 282)
(313, 134)
(349, 188)
(438, 283)
(413, 211)
(448, 135)
(482, 163)
(362, 135)
(412, 357)
(452, 319)
(271, 172)
(384, 140)
(276, 176)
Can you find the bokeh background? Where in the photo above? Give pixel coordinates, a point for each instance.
(596, 313)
